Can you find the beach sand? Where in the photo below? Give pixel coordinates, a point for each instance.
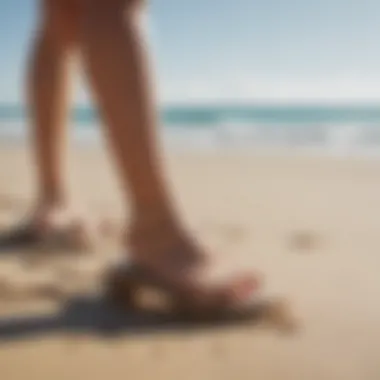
(310, 225)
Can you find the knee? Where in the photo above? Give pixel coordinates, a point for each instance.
(60, 20)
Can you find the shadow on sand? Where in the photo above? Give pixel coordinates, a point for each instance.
(94, 316)
(16, 239)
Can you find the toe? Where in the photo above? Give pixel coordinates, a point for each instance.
(241, 288)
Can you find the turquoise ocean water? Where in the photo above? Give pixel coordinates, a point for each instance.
(323, 129)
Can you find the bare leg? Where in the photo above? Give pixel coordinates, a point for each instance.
(55, 42)
(118, 72)
(116, 63)
(48, 94)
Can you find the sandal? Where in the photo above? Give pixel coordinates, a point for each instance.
(234, 298)
(30, 236)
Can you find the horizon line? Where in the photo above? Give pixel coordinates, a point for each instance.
(233, 103)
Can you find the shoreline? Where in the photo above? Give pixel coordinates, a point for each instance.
(253, 152)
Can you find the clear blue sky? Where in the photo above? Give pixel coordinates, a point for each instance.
(209, 50)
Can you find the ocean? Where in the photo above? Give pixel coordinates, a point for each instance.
(336, 130)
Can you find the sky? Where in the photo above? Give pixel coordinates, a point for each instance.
(236, 50)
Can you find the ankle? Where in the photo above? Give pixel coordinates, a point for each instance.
(48, 202)
(152, 216)
(48, 209)
(153, 231)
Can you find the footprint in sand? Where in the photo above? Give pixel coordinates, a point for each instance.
(279, 314)
(304, 241)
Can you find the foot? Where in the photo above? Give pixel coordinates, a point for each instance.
(170, 260)
(61, 226)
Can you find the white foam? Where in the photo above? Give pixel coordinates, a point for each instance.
(326, 139)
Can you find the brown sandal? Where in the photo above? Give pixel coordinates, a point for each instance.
(237, 298)
(29, 236)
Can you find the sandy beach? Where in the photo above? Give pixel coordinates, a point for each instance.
(310, 225)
